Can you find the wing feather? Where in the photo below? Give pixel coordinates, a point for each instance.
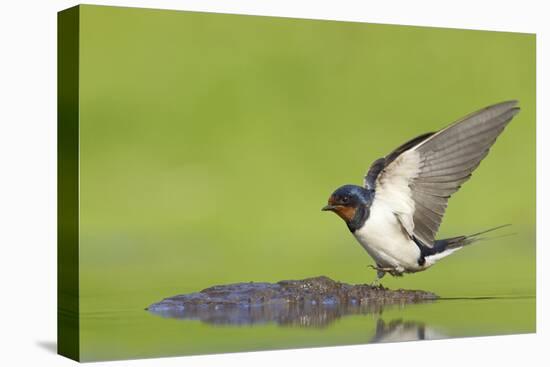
(417, 179)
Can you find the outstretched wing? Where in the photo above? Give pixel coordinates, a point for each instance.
(416, 180)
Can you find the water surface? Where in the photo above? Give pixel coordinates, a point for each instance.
(123, 333)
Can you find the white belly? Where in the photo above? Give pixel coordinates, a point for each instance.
(386, 242)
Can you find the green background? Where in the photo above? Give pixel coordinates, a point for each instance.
(210, 142)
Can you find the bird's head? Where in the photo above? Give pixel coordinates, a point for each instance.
(346, 200)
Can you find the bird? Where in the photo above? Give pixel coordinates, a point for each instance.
(396, 214)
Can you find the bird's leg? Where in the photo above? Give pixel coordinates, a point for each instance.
(380, 272)
(376, 281)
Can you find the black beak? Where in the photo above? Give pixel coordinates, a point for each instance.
(328, 207)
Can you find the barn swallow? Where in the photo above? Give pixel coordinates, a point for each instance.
(396, 214)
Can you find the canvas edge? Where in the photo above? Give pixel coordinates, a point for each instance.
(68, 323)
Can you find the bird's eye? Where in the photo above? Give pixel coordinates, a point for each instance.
(345, 199)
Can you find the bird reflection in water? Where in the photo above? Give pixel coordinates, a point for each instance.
(402, 331)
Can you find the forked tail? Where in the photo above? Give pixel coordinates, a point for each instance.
(461, 241)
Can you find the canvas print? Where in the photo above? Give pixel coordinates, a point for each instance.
(202, 157)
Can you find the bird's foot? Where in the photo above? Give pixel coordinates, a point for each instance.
(380, 272)
(376, 283)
